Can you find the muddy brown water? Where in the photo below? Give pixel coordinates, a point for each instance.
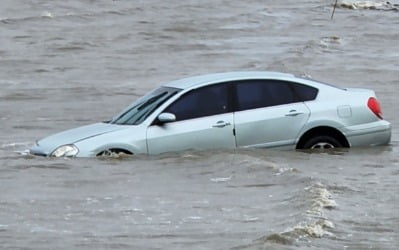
(69, 63)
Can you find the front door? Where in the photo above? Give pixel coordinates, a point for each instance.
(199, 134)
(203, 121)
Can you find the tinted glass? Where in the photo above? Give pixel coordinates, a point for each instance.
(206, 101)
(253, 94)
(139, 110)
(305, 93)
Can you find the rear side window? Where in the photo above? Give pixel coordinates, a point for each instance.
(252, 94)
(305, 93)
(206, 101)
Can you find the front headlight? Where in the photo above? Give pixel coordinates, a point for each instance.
(65, 151)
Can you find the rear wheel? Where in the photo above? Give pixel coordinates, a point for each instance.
(322, 142)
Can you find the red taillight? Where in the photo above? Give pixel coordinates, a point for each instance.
(375, 107)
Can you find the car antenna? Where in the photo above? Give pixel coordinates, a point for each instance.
(335, 6)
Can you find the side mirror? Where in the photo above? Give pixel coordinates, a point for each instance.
(166, 117)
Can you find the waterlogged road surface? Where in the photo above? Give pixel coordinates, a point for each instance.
(68, 63)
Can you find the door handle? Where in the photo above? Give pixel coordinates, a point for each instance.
(221, 124)
(293, 112)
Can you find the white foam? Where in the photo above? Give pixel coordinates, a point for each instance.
(321, 199)
(47, 14)
(23, 152)
(248, 218)
(194, 217)
(283, 170)
(316, 229)
(16, 145)
(221, 179)
(350, 4)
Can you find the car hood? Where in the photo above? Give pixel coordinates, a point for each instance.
(47, 145)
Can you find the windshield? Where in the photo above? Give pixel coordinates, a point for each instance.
(139, 110)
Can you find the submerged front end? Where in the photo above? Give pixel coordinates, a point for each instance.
(63, 144)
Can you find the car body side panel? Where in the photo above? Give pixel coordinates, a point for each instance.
(271, 126)
(373, 133)
(131, 139)
(200, 133)
(345, 107)
(350, 115)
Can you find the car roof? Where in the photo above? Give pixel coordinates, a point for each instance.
(202, 80)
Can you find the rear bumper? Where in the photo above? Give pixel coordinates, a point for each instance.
(376, 133)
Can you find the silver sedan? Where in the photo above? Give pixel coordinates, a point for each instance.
(231, 110)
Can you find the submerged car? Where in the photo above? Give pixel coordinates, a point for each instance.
(231, 110)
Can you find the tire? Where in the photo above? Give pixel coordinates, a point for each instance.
(322, 142)
(115, 152)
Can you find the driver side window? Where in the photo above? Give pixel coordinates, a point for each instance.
(205, 101)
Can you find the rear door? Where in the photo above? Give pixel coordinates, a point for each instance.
(268, 113)
(203, 121)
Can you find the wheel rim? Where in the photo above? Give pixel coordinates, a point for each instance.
(323, 145)
(113, 153)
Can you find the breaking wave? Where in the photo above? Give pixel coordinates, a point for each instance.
(314, 229)
(315, 225)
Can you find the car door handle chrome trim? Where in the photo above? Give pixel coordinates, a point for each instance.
(293, 113)
(221, 124)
